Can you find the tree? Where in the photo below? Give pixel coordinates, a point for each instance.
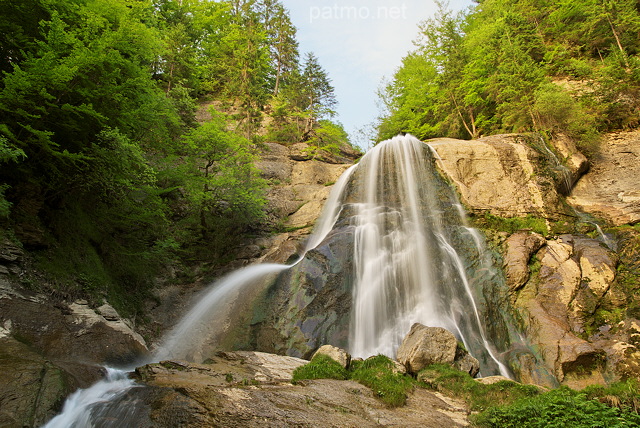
(281, 37)
(224, 184)
(316, 92)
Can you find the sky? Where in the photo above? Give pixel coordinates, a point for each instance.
(359, 43)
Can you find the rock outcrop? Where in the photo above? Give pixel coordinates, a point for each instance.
(610, 188)
(503, 175)
(573, 277)
(50, 348)
(299, 187)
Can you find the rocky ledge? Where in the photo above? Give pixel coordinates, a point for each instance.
(254, 389)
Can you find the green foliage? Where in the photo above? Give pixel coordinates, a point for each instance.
(479, 397)
(320, 367)
(623, 395)
(222, 182)
(513, 224)
(508, 66)
(378, 374)
(509, 404)
(326, 139)
(557, 408)
(102, 160)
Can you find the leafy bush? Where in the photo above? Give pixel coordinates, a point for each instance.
(561, 407)
(376, 373)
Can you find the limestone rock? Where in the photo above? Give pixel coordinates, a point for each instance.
(490, 380)
(610, 188)
(72, 332)
(108, 313)
(575, 276)
(520, 247)
(577, 163)
(336, 354)
(426, 345)
(500, 174)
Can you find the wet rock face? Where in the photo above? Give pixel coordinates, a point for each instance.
(48, 349)
(575, 275)
(32, 388)
(501, 174)
(309, 305)
(610, 188)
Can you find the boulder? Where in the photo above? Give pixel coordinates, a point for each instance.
(424, 346)
(336, 354)
(467, 364)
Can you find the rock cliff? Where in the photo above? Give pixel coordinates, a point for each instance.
(575, 306)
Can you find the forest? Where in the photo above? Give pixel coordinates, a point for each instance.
(547, 66)
(106, 174)
(129, 129)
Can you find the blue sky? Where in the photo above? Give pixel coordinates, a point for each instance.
(359, 43)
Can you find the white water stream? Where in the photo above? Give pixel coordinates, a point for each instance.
(407, 270)
(407, 267)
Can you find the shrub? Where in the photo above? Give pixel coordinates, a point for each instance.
(479, 396)
(376, 373)
(561, 407)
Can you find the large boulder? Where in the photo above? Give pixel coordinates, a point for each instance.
(424, 346)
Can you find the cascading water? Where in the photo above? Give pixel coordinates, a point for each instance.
(190, 338)
(408, 227)
(407, 267)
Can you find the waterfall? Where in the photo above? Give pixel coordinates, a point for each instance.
(415, 257)
(407, 268)
(82, 408)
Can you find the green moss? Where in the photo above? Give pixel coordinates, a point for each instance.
(512, 225)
